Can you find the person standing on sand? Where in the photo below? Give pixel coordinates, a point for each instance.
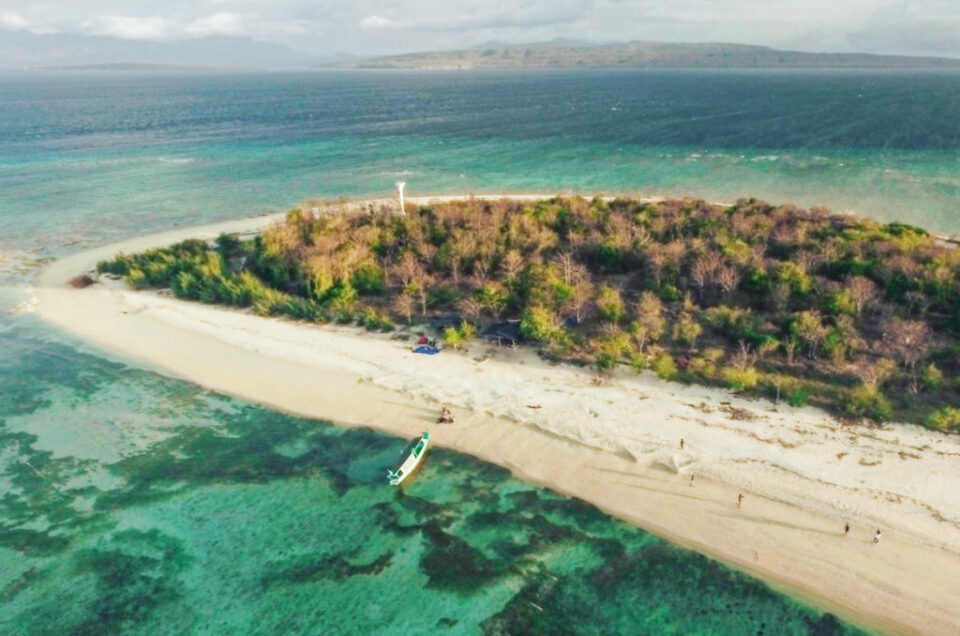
(846, 529)
(876, 536)
(739, 500)
(693, 480)
(681, 443)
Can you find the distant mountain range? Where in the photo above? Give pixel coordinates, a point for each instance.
(25, 50)
(642, 55)
(22, 49)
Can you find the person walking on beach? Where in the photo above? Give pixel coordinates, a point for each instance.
(739, 500)
(846, 529)
(693, 480)
(876, 536)
(681, 443)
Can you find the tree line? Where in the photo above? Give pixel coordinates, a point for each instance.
(798, 304)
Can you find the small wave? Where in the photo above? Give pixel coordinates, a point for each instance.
(176, 160)
(19, 262)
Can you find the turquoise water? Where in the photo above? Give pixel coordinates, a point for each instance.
(133, 503)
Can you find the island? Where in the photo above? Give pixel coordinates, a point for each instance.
(718, 374)
(642, 54)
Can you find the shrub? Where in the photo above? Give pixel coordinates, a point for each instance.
(932, 377)
(945, 419)
(868, 401)
(185, 285)
(605, 361)
(687, 330)
(452, 337)
(664, 366)
(741, 378)
(705, 364)
(467, 330)
(670, 293)
(373, 320)
(797, 396)
(368, 279)
(538, 323)
(301, 309)
(610, 304)
(443, 297)
(639, 362)
(120, 266)
(136, 278)
(840, 302)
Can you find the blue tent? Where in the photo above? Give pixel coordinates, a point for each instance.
(427, 350)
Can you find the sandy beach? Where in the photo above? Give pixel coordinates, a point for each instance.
(614, 444)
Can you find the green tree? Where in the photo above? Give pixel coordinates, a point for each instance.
(610, 303)
(686, 330)
(540, 324)
(665, 367)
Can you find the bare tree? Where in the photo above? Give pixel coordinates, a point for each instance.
(403, 305)
(907, 341)
(872, 372)
(565, 263)
(727, 277)
(862, 291)
(702, 271)
(471, 307)
(511, 266)
(656, 261)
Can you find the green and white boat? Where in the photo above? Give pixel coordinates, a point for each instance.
(410, 464)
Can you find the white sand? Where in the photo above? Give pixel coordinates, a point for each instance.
(615, 445)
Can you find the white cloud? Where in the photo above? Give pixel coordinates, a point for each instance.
(218, 24)
(12, 21)
(132, 28)
(375, 22)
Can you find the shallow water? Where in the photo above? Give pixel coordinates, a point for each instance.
(145, 505)
(133, 503)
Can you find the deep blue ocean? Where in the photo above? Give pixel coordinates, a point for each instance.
(134, 503)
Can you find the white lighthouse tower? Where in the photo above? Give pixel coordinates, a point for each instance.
(400, 186)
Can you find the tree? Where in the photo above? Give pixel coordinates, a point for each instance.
(873, 372)
(727, 278)
(511, 266)
(649, 325)
(907, 341)
(403, 304)
(493, 297)
(701, 272)
(686, 330)
(862, 291)
(567, 264)
(471, 307)
(581, 293)
(808, 326)
(540, 324)
(610, 303)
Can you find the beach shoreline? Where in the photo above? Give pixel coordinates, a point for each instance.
(613, 444)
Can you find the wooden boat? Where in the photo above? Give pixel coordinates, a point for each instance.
(410, 464)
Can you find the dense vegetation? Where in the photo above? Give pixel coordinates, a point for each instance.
(801, 305)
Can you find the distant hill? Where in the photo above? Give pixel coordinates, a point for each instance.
(22, 49)
(125, 67)
(643, 55)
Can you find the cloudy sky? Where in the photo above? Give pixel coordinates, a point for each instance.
(391, 26)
